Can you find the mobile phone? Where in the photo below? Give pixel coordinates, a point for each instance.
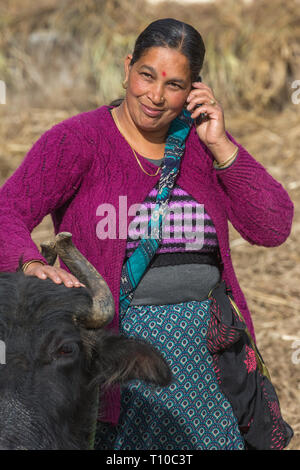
(202, 115)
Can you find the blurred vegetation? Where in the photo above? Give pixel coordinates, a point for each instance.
(68, 53)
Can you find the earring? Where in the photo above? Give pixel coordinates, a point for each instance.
(124, 84)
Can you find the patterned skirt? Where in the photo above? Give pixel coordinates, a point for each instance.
(191, 413)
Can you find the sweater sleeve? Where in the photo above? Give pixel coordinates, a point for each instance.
(48, 176)
(258, 206)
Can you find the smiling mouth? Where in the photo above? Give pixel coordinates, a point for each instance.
(150, 111)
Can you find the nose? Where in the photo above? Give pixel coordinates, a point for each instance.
(156, 94)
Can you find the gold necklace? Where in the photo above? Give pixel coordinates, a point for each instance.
(118, 126)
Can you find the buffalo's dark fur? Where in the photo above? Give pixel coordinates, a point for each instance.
(54, 366)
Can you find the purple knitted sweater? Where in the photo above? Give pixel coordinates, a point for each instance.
(84, 162)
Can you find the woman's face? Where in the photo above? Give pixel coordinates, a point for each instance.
(158, 86)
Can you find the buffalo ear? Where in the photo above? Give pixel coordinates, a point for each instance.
(118, 359)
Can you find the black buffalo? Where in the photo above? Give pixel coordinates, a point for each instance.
(59, 360)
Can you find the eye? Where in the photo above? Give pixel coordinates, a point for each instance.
(175, 85)
(147, 75)
(67, 350)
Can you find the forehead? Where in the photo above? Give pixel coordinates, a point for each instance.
(167, 60)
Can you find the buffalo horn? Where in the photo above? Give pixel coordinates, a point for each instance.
(103, 302)
(48, 252)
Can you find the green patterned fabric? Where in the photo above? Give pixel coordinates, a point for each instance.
(190, 414)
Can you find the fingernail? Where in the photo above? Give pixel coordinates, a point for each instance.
(57, 279)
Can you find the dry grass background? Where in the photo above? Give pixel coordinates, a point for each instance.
(61, 57)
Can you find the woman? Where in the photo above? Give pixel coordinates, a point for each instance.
(110, 161)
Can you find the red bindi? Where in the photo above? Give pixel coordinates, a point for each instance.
(164, 74)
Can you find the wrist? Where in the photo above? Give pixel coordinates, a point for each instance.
(222, 150)
(31, 263)
(228, 162)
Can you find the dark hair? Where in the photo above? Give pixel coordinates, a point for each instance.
(175, 34)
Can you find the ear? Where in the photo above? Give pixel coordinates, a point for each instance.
(118, 359)
(127, 66)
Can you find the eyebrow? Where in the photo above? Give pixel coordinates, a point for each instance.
(179, 80)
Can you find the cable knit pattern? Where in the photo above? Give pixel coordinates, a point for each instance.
(84, 162)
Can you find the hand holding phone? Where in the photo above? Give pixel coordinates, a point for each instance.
(210, 124)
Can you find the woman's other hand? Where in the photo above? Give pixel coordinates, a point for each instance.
(56, 274)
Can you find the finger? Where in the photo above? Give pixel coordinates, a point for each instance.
(201, 85)
(56, 275)
(55, 278)
(200, 99)
(76, 281)
(197, 103)
(52, 273)
(40, 274)
(59, 275)
(37, 271)
(210, 110)
(69, 279)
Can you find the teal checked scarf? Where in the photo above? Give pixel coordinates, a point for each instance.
(136, 265)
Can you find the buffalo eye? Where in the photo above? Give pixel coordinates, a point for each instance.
(67, 350)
